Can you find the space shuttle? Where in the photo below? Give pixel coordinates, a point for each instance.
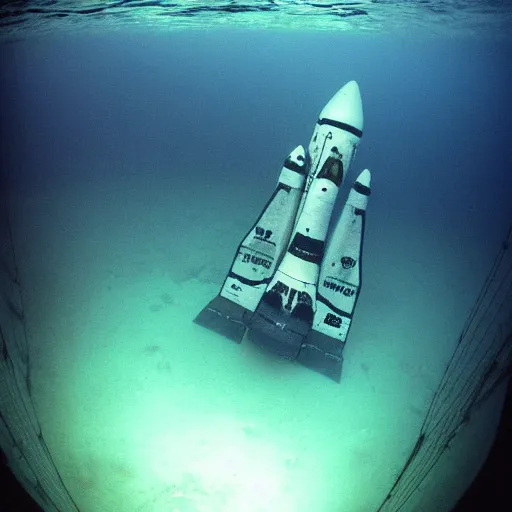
(291, 288)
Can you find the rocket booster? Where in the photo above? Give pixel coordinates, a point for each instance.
(258, 254)
(340, 276)
(286, 289)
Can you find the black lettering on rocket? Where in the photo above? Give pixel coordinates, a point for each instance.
(256, 260)
(338, 288)
(332, 320)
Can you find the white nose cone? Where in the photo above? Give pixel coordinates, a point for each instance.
(345, 106)
(364, 178)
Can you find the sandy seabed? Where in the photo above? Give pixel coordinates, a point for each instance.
(144, 411)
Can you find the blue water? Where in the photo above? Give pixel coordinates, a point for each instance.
(130, 156)
(239, 101)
